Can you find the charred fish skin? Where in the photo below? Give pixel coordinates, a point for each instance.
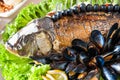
(57, 31)
(26, 41)
(67, 29)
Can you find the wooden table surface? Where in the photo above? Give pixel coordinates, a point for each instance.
(4, 21)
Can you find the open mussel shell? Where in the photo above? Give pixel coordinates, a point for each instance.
(97, 38)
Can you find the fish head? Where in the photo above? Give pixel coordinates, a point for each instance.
(19, 46)
(37, 36)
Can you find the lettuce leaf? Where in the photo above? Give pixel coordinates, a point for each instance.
(17, 68)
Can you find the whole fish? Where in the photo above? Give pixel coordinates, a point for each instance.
(56, 31)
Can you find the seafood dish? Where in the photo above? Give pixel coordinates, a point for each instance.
(83, 41)
(8, 7)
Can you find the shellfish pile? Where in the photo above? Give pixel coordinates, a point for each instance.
(100, 56)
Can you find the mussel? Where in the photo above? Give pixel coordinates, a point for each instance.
(114, 64)
(43, 60)
(59, 65)
(97, 38)
(93, 75)
(88, 60)
(107, 72)
(70, 54)
(79, 43)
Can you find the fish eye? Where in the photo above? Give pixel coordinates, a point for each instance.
(19, 47)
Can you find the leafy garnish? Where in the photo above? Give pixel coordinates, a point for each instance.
(17, 68)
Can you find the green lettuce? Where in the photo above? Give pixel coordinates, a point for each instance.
(17, 68)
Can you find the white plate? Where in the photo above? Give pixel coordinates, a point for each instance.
(12, 11)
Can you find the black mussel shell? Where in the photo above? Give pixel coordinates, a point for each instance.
(100, 61)
(70, 67)
(70, 12)
(59, 65)
(76, 10)
(116, 8)
(83, 57)
(55, 17)
(116, 67)
(114, 64)
(43, 60)
(115, 51)
(89, 8)
(80, 68)
(79, 43)
(70, 54)
(64, 12)
(112, 29)
(116, 37)
(96, 7)
(56, 56)
(97, 38)
(110, 8)
(78, 49)
(108, 73)
(93, 74)
(116, 56)
(92, 52)
(82, 7)
(103, 8)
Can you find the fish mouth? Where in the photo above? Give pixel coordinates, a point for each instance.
(9, 47)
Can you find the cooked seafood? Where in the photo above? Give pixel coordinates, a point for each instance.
(81, 62)
(41, 36)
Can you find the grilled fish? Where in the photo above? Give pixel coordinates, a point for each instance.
(44, 35)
